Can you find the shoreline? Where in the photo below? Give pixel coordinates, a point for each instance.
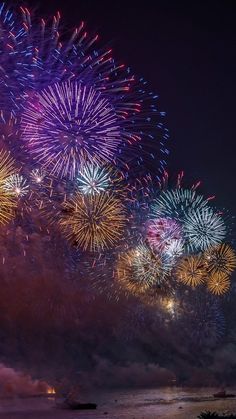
(143, 404)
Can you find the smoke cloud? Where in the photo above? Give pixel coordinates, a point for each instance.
(15, 383)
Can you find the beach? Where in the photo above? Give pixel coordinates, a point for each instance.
(165, 403)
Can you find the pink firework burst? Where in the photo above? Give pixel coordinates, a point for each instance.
(161, 233)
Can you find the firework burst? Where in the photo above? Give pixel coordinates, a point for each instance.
(93, 222)
(218, 283)
(66, 122)
(75, 98)
(7, 201)
(37, 56)
(37, 175)
(204, 228)
(220, 259)
(191, 270)
(161, 232)
(16, 185)
(139, 269)
(177, 204)
(88, 127)
(95, 178)
(174, 250)
(7, 166)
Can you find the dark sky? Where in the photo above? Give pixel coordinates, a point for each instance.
(187, 53)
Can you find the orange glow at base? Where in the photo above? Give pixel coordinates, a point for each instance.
(51, 390)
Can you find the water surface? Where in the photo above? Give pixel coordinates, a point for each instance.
(175, 403)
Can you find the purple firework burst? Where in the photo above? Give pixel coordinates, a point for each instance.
(38, 65)
(68, 122)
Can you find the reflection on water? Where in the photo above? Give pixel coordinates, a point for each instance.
(141, 403)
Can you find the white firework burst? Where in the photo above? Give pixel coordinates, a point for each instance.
(174, 250)
(16, 185)
(177, 203)
(204, 228)
(93, 179)
(149, 265)
(38, 175)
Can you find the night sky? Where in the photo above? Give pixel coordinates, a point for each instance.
(186, 51)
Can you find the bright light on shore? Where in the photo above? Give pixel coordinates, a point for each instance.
(51, 390)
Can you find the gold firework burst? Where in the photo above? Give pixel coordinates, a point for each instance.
(7, 201)
(7, 166)
(93, 222)
(218, 283)
(220, 259)
(191, 270)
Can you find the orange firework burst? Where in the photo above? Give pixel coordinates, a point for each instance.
(218, 283)
(191, 270)
(7, 201)
(93, 222)
(220, 259)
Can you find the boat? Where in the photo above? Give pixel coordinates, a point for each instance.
(223, 395)
(74, 405)
(81, 406)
